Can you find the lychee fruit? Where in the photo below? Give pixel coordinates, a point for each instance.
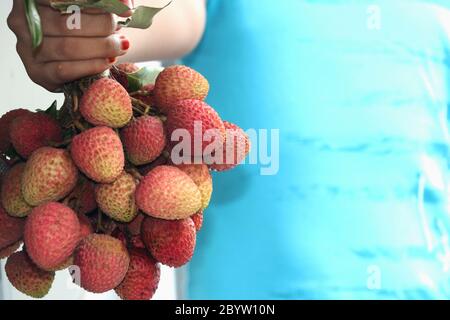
(196, 120)
(117, 199)
(235, 149)
(170, 242)
(200, 174)
(26, 277)
(166, 192)
(85, 226)
(106, 103)
(11, 229)
(120, 72)
(103, 262)
(144, 140)
(98, 153)
(7, 251)
(52, 231)
(84, 197)
(177, 83)
(198, 220)
(49, 175)
(5, 122)
(32, 131)
(11, 192)
(142, 278)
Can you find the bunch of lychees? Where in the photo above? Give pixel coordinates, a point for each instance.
(102, 188)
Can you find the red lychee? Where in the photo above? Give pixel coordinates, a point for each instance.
(170, 242)
(32, 131)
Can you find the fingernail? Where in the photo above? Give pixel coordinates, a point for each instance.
(112, 60)
(124, 43)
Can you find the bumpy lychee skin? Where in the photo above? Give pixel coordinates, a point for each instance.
(5, 122)
(85, 226)
(103, 262)
(33, 131)
(142, 278)
(170, 242)
(179, 83)
(201, 122)
(6, 252)
(120, 72)
(200, 174)
(106, 103)
(52, 232)
(98, 153)
(49, 175)
(235, 149)
(26, 277)
(144, 140)
(11, 229)
(198, 220)
(168, 193)
(117, 199)
(11, 193)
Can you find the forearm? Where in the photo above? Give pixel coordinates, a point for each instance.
(175, 32)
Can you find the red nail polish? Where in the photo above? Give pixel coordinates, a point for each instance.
(125, 44)
(112, 60)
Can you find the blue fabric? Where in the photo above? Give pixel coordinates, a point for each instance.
(359, 208)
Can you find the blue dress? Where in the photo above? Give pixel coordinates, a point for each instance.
(358, 207)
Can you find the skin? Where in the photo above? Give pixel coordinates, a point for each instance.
(67, 55)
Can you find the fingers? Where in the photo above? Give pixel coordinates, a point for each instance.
(64, 72)
(84, 25)
(75, 48)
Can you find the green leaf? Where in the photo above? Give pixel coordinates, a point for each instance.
(111, 6)
(142, 77)
(52, 111)
(34, 22)
(142, 17)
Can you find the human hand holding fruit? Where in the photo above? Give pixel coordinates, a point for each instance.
(66, 55)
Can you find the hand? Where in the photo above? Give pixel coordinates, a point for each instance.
(66, 55)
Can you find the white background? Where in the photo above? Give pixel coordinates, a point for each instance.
(17, 90)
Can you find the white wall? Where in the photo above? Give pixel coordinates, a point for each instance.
(17, 90)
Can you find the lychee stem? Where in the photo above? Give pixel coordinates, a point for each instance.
(75, 102)
(78, 125)
(63, 143)
(139, 103)
(135, 173)
(138, 110)
(99, 221)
